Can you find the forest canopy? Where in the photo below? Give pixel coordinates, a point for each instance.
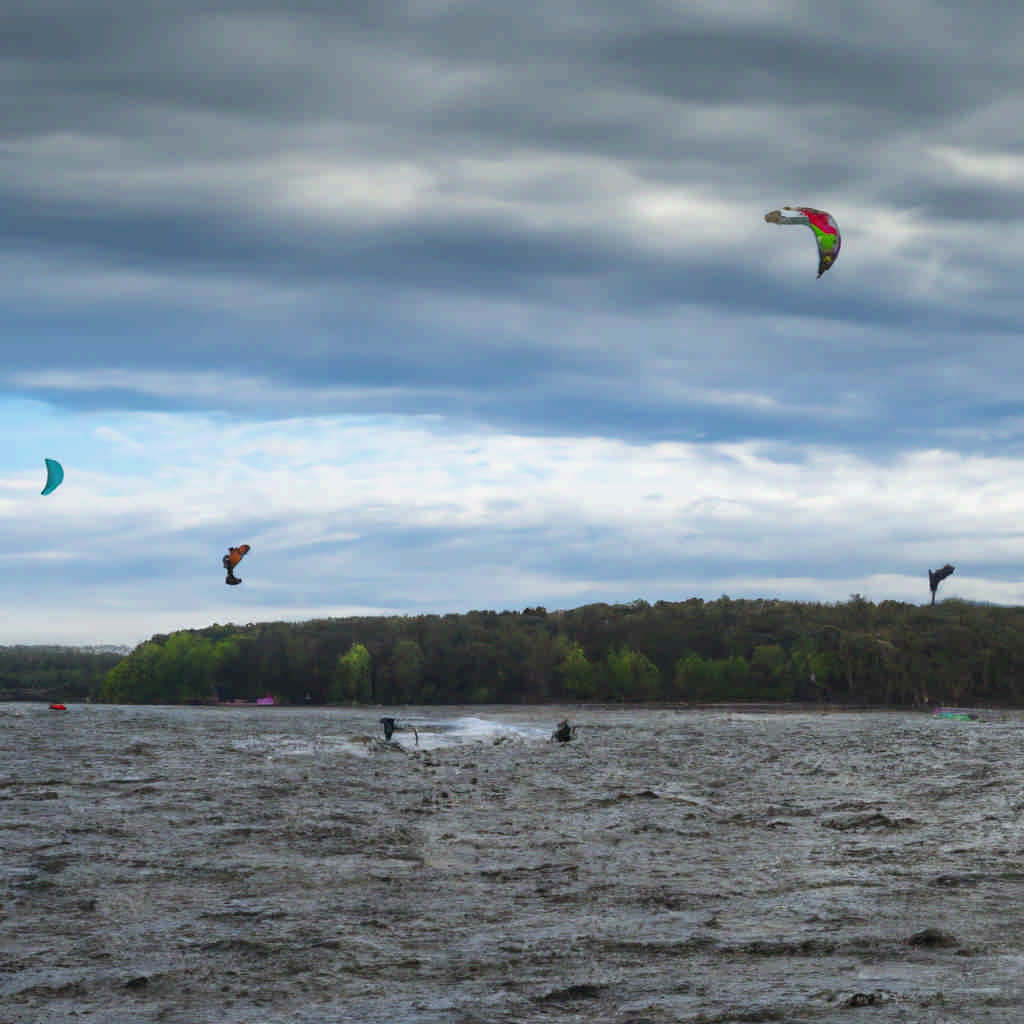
(46, 672)
(853, 652)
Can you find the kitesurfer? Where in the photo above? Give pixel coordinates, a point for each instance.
(392, 725)
(936, 576)
(230, 560)
(564, 732)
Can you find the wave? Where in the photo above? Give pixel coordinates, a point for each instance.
(435, 733)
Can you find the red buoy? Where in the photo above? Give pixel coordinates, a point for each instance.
(57, 707)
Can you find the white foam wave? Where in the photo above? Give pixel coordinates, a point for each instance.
(464, 731)
(416, 731)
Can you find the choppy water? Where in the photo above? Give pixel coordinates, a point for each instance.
(248, 865)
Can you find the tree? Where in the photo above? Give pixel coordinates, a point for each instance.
(134, 680)
(770, 677)
(630, 675)
(353, 682)
(576, 674)
(227, 660)
(407, 671)
(730, 679)
(692, 678)
(724, 650)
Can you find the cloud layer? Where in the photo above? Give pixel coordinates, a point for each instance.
(245, 240)
(410, 516)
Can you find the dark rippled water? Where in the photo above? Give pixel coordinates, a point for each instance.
(194, 865)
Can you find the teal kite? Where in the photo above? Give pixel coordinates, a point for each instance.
(54, 475)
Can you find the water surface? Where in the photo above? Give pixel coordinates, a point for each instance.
(247, 865)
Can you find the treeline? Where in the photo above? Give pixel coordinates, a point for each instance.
(42, 672)
(852, 652)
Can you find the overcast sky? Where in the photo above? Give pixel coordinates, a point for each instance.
(447, 305)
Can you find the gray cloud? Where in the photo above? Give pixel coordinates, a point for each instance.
(298, 183)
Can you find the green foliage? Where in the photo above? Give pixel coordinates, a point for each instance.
(407, 671)
(630, 675)
(185, 667)
(577, 675)
(51, 673)
(770, 673)
(731, 680)
(692, 680)
(697, 651)
(353, 682)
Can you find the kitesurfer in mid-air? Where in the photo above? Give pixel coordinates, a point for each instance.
(936, 576)
(230, 560)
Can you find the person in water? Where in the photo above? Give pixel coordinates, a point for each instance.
(564, 732)
(391, 726)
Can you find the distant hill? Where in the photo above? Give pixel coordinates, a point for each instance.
(51, 672)
(852, 652)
